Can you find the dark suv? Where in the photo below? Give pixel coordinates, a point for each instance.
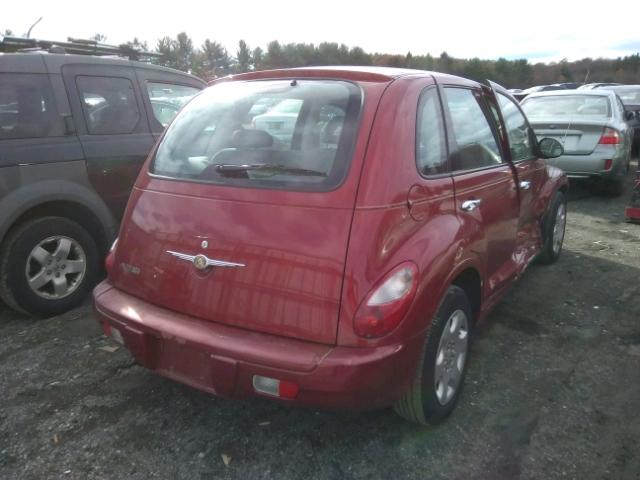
(74, 132)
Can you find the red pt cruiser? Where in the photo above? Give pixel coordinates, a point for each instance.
(330, 236)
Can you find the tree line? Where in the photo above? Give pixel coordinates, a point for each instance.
(212, 60)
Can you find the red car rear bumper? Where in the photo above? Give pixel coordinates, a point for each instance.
(223, 360)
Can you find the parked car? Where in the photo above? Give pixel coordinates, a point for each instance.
(630, 97)
(347, 267)
(74, 132)
(280, 120)
(591, 125)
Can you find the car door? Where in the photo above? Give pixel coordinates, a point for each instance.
(164, 94)
(485, 191)
(112, 128)
(530, 171)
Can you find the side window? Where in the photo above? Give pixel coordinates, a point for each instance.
(518, 130)
(109, 105)
(431, 153)
(27, 107)
(476, 145)
(167, 99)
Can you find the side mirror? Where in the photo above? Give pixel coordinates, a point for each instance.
(550, 148)
(630, 115)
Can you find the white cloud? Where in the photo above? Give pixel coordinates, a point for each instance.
(544, 30)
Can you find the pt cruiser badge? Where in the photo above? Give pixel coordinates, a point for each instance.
(202, 261)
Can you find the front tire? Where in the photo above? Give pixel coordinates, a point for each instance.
(436, 387)
(47, 266)
(553, 229)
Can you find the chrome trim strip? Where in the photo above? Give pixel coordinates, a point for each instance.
(211, 262)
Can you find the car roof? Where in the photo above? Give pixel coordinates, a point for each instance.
(43, 62)
(556, 93)
(352, 73)
(617, 88)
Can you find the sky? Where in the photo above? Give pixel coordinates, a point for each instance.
(540, 31)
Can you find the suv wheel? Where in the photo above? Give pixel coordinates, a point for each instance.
(553, 228)
(47, 266)
(436, 387)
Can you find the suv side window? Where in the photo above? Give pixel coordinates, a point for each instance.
(167, 99)
(518, 130)
(109, 105)
(27, 107)
(431, 153)
(476, 145)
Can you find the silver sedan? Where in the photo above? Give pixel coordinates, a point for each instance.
(591, 126)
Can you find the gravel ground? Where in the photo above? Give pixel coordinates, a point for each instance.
(553, 391)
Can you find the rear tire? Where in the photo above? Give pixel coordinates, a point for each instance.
(553, 229)
(443, 362)
(47, 266)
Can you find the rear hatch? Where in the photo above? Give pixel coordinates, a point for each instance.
(578, 137)
(237, 226)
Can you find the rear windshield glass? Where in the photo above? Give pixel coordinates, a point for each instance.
(290, 134)
(567, 106)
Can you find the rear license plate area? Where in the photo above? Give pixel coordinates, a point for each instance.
(197, 368)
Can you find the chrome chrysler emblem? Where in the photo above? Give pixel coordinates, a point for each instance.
(202, 261)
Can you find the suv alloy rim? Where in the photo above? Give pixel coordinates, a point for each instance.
(558, 228)
(55, 267)
(450, 360)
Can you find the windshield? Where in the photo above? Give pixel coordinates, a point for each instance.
(291, 134)
(567, 106)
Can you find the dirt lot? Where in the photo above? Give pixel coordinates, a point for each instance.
(553, 391)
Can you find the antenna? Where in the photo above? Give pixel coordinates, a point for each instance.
(566, 131)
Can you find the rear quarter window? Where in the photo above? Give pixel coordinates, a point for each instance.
(27, 107)
(285, 134)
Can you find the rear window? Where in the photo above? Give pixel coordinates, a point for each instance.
(288, 134)
(567, 106)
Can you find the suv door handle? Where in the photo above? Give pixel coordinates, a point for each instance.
(470, 205)
(525, 184)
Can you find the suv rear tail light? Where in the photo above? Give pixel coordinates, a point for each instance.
(109, 261)
(610, 137)
(387, 303)
(275, 387)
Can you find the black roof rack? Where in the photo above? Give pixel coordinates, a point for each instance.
(73, 45)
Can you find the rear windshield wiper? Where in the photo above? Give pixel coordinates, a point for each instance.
(230, 169)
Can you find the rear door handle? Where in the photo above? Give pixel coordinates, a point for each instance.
(525, 185)
(470, 205)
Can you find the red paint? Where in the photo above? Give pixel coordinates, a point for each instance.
(312, 260)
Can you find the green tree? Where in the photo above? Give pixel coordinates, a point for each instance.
(243, 57)
(258, 58)
(215, 59)
(184, 52)
(274, 58)
(166, 48)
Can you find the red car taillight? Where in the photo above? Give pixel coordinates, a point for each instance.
(387, 304)
(610, 137)
(109, 261)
